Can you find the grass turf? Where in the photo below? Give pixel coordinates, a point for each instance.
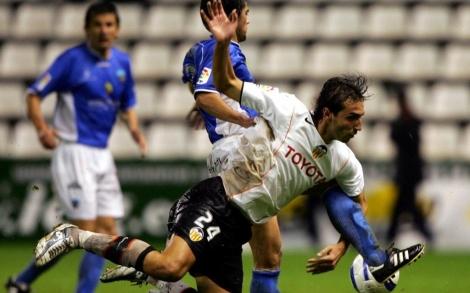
(435, 272)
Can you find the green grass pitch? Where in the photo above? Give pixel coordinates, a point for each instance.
(435, 272)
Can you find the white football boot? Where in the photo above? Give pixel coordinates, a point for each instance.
(54, 244)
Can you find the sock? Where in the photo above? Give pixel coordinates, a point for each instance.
(31, 272)
(121, 250)
(348, 218)
(89, 274)
(264, 281)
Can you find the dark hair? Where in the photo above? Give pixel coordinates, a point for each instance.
(100, 7)
(228, 5)
(336, 91)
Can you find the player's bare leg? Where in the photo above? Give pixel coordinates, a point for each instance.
(91, 264)
(266, 249)
(169, 265)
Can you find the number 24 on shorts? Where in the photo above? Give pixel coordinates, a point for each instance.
(211, 231)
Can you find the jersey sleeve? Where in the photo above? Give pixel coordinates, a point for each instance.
(203, 63)
(55, 78)
(189, 66)
(128, 99)
(351, 177)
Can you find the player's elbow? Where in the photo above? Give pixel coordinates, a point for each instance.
(204, 101)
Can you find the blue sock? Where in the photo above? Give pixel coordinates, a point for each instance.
(31, 272)
(90, 270)
(348, 218)
(264, 281)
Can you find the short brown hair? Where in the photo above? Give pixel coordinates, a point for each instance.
(100, 7)
(337, 90)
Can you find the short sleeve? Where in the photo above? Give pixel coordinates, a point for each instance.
(55, 78)
(189, 67)
(351, 177)
(203, 80)
(276, 107)
(202, 61)
(254, 97)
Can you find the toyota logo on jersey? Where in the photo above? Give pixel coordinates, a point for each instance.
(309, 168)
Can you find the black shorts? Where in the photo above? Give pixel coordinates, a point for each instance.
(215, 230)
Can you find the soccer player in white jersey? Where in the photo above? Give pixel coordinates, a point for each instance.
(223, 119)
(288, 152)
(94, 84)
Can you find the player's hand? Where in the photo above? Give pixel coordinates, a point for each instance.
(194, 119)
(139, 138)
(48, 138)
(246, 121)
(221, 26)
(326, 259)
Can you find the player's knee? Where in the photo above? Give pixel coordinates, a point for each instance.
(166, 270)
(174, 271)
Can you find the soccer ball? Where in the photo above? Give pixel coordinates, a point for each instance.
(364, 282)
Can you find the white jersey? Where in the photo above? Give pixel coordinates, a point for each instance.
(277, 161)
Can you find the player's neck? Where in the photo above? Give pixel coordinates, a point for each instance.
(322, 129)
(102, 53)
(235, 38)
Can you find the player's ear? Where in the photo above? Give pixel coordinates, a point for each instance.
(327, 113)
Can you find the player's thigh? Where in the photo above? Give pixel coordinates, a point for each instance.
(74, 183)
(172, 263)
(89, 225)
(206, 285)
(266, 244)
(214, 230)
(106, 225)
(109, 195)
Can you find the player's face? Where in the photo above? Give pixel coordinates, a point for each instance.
(102, 31)
(243, 22)
(347, 122)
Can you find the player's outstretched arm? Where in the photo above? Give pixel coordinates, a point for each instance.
(223, 28)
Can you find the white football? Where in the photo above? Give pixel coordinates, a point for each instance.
(364, 282)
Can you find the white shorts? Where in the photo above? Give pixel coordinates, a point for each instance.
(86, 182)
(219, 158)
